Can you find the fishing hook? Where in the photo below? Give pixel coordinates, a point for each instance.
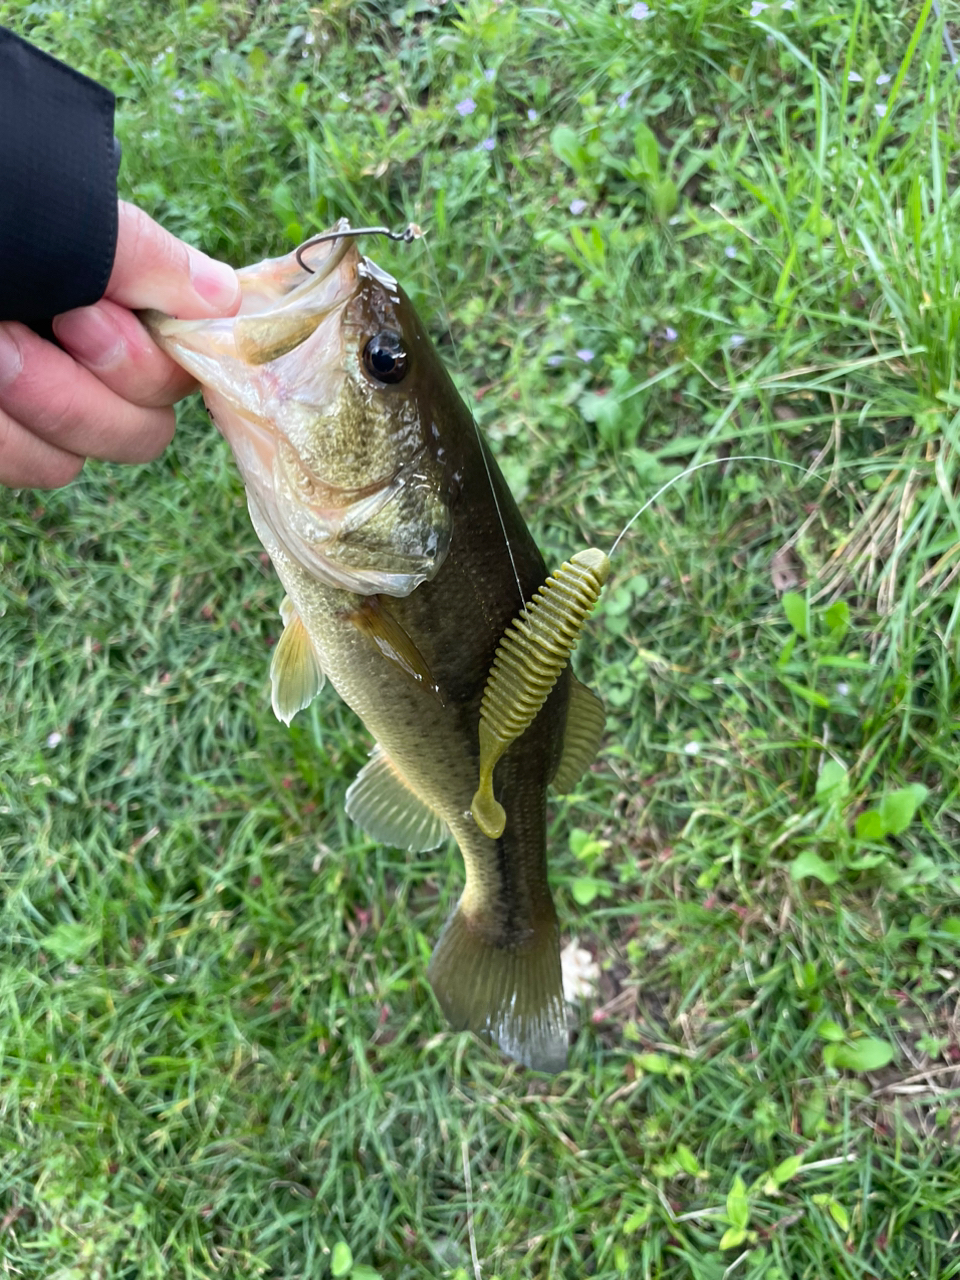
(410, 233)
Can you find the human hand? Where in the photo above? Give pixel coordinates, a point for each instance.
(108, 394)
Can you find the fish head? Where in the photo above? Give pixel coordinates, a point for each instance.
(331, 396)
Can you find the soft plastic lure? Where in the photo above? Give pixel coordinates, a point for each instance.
(529, 660)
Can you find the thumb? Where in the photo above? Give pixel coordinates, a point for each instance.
(152, 268)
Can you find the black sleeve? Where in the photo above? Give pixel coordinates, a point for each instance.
(58, 185)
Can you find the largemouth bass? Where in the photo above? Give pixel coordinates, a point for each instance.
(404, 559)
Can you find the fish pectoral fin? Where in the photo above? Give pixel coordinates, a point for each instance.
(510, 995)
(381, 801)
(377, 623)
(296, 676)
(586, 719)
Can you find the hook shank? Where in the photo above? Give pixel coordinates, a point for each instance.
(406, 236)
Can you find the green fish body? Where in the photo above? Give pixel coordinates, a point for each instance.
(404, 559)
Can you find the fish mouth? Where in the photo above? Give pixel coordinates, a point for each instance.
(284, 301)
(282, 304)
(275, 377)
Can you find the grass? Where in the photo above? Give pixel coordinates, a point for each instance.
(219, 1052)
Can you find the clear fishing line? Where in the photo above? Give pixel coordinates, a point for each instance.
(700, 466)
(689, 471)
(412, 232)
(435, 280)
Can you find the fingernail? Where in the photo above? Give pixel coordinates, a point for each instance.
(11, 359)
(215, 282)
(90, 336)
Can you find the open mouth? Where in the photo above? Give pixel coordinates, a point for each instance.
(282, 306)
(274, 377)
(284, 303)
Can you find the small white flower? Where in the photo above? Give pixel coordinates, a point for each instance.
(884, 79)
(532, 115)
(854, 78)
(641, 12)
(691, 749)
(580, 972)
(757, 8)
(585, 354)
(787, 5)
(54, 739)
(670, 334)
(623, 100)
(880, 108)
(309, 38)
(842, 688)
(466, 107)
(737, 340)
(343, 97)
(554, 360)
(577, 207)
(489, 75)
(730, 251)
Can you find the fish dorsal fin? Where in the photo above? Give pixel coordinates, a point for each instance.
(381, 802)
(296, 676)
(378, 624)
(586, 719)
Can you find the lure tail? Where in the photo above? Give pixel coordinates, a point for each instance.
(511, 995)
(533, 652)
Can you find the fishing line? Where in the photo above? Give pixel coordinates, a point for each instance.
(532, 654)
(435, 279)
(699, 466)
(689, 471)
(414, 232)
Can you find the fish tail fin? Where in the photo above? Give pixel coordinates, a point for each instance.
(512, 995)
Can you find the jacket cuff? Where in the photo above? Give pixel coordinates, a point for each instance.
(58, 194)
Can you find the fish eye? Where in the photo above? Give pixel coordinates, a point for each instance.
(385, 358)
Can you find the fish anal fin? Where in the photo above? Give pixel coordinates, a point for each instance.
(374, 619)
(512, 996)
(296, 676)
(586, 719)
(381, 801)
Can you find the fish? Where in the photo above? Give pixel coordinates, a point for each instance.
(404, 560)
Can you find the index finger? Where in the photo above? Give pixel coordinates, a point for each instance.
(152, 268)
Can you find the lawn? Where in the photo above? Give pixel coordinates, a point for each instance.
(657, 235)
